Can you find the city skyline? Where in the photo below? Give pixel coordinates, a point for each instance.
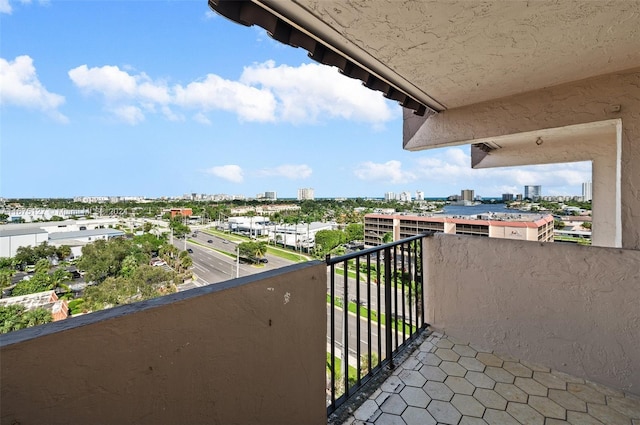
(198, 104)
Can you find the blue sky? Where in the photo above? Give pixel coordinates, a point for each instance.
(162, 98)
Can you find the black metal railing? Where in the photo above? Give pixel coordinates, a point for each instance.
(377, 292)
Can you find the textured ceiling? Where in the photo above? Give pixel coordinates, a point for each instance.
(464, 52)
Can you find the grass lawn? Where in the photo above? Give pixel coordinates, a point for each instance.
(374, 315)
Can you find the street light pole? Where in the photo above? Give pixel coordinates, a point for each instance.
(237, 261)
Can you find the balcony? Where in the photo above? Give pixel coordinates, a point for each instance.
(256, 349)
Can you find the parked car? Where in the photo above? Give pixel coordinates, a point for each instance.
(263, 260)
(209, 241)
(190, 251)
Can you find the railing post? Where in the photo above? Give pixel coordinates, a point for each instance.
(387, 306)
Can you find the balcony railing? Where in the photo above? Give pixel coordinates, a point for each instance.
(376, 307)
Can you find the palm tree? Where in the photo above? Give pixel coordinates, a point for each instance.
(260, 249)
(186, 262)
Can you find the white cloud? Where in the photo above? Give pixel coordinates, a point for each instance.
(390, 171)
(210, 14)
(450, 169)
(129, 114)
(214, 92)
(311, 91)
(453, 166)
(308, 93)
(109, 81)
(20, 86)
(170, 115)
(289, 171)
(201, 118)
(5, 7)
(232, 173)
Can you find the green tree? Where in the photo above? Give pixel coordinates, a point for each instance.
(39, 282)
(558, 224)
(63, 252)
(168, 251)
(149, 243)
(44, 250)
(129, 266)
(586, 225)
(5, 277)
(354, 232)
(42, 266)
(15, 317)
(103, 259)
(252, 250)
(329, 239)
(146, 282)
(25, 255)
(387, 237)
(147, 226)
(186, 262)
(180, 229)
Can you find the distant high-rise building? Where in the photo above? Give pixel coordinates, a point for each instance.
(271, 195)
(533, 192)
(519, 197)
(466, 194)
(419, 195)
(587, 191)
(389, 196)
(507, 197)
(305, 194)
(405, 197)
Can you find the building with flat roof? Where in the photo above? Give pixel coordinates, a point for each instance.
(587, 191)
(48, 300)
(13, 238)
(533, 192)
(306, 193)
(184, 212)
(530, 227)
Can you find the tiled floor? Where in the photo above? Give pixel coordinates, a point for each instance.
(448, 382)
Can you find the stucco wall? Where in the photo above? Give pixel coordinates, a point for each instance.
(569, 307)
(612, 96)
(246, 351)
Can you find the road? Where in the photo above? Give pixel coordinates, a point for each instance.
(212, 266)
(353, 335)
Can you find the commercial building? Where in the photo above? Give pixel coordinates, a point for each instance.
(529, 227)
(507, 197)
(533, 192)
(11, 239)
(77, 239)
(13, 236)
(184, 212)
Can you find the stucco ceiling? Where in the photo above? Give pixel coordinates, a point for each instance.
(455, 53)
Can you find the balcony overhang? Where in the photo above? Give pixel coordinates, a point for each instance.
(295, 27)
(448, 54)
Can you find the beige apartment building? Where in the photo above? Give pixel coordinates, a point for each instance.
(529, 227)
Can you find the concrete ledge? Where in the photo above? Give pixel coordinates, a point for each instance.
(246, 351)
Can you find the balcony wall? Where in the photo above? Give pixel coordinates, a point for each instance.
(573, 308)
(246, 351)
